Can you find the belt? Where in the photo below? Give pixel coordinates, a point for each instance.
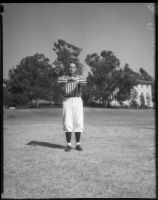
(66, 96)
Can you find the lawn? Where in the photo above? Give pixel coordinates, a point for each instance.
(118, 160)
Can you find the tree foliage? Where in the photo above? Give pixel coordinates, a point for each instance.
(127, 79)
(148, 99)
(66, 53)
(106, 77)
(103, 74)
(142, 100)
(145, 76)
(33, 78)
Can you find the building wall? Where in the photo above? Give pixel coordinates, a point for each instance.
(140, 88)
(146, 90)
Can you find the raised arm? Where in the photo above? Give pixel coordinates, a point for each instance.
(82, 80)
(62, 80)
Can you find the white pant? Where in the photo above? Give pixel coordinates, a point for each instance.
(73, 114)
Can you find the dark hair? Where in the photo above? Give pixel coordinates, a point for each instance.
(72, 63)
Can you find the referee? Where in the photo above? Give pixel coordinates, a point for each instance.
(72, 105)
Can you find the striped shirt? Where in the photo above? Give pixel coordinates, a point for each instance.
(71, 88)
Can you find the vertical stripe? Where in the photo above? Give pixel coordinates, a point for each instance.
(69, 85)
(75, 84)
(76, 90)
(67, 88)
(72, 88)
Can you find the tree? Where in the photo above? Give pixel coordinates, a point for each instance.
(7, 97)
(33, 78)
(145, 76)
(148, 99)
(66, 53)
(142, 100)
(126, 81)
(88, 91)
(134, 97)
(11, 99)
(103, 70)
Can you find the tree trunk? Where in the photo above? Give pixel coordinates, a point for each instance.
(28, 105)
(37, 103)
(104, 103)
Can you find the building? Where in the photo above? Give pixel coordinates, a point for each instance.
(143, 90)
(115, 103)
(140, 94)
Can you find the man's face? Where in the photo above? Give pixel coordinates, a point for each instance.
(72, 68)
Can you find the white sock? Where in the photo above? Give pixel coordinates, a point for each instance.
(69, 143)
(77, 143)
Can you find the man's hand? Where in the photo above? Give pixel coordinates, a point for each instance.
(74, 79)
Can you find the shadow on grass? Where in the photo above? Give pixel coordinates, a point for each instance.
(46, 144)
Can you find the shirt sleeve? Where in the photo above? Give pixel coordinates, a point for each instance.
(82, 80)
(62, 79)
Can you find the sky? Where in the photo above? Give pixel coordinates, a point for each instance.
(123, 28)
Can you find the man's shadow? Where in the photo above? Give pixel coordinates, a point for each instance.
(46, 144)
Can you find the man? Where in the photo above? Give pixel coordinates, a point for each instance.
(72, 105)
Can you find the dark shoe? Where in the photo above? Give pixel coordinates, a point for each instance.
(68, 148)
(79, 148)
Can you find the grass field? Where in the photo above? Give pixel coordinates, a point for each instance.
(118, 160)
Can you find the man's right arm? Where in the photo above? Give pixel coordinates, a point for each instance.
(62, 80)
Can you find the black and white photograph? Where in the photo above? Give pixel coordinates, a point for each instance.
(78, 100)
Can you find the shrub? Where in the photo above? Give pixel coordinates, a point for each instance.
(18, 100)
(134, 104)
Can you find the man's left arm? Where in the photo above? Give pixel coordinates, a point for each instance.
(82, 80)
